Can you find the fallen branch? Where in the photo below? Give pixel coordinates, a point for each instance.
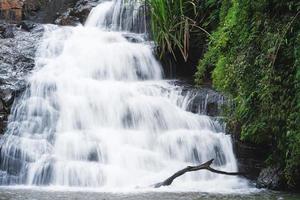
(205, 166)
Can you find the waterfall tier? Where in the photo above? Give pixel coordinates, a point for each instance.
(97, 113)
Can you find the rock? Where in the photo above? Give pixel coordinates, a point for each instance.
(251, 157)
(83, 8)
(7, 97)
(7, 31)
(27, 25)
(50, 11)
(3, 122)
(270, 178)
(11, 10)
(14, 11)
(16, 61)
(31, 8)
(2, 27)
(67, 19)
(77, 14)
(203, 100)
(134, 38)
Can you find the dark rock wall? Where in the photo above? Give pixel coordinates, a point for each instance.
(50, 10)
(77, 13)
(250, 158)
(44, 11)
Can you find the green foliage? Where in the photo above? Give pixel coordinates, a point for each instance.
(254, 57)
(174, 22)
(170, 26)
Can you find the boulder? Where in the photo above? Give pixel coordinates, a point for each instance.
(27, 25)
(251, 157)
(271, 178)
(7, 31)
(77, 14)
(31, 8)
(83, 8)
(67, 19)
(204, 100)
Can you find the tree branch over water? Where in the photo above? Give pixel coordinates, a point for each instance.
(204, 166)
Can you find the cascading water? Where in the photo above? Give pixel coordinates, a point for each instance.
(97, 113)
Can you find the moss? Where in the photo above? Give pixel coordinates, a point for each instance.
(253, 57)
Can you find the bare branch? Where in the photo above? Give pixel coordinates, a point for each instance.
(204, 166)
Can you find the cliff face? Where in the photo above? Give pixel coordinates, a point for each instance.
(62, 12)
(11, 10)
(14, 11)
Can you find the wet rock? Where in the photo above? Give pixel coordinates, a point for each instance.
(16, 61)
(78, 13)
(270, 178)
(251, 157)
(14, 166)
(2, 27)
(27, 25)
(204, 100)
(7, 31)
(3, 116)
(83, 8)
(134, 38)
(32, 7)
(66, 19)
(51, 10)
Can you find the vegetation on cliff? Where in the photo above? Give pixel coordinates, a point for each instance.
(253, 56)
(175, 23)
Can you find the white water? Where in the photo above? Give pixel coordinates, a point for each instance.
(97, 114)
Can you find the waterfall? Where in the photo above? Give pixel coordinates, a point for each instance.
(97, 113)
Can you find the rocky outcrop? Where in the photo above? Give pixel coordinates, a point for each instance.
(67, 19)
(203, 100)
(14, 11)
(32, 7)
(77, 14)
(16, 61)
(271, 178)
(250, 158)
(11, 10)
(6, 30)
(51, 10)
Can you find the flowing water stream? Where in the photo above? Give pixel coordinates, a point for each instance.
(98, 114)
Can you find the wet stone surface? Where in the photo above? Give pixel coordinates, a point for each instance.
(77, 14)
(17, 54)
(271, 178)
(204, 100)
